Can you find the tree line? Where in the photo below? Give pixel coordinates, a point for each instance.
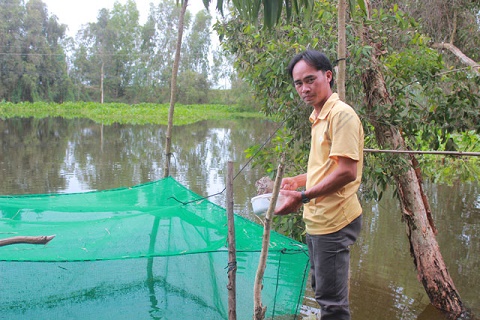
(114, 59)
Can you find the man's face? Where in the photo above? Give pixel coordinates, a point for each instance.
(312, 85)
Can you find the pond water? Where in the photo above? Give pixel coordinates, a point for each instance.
(56, 155)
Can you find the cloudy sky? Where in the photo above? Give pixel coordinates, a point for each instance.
(74, 13)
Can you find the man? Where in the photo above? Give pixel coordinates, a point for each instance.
(332, 212)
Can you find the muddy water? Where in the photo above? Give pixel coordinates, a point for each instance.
(59, 155)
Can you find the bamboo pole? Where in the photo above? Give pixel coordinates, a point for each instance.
(232, 260)
(259, 310)
(342, 49)
(449, 153)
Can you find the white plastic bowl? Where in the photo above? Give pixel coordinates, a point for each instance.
(261, 203)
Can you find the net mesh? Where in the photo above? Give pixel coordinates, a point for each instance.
(152, 251)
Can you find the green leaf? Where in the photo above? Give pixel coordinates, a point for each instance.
(361, 4)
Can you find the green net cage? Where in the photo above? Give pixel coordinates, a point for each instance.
(151, 251)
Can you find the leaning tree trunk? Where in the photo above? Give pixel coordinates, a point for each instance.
(102, 76)
(431, 269)
(173, 89)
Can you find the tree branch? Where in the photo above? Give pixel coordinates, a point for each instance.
(26, 239)
(454, 31)
(459, 54)
(258, 309)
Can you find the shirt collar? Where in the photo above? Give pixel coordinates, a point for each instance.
(327, 107)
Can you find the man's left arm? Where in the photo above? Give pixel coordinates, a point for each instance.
(345, 173)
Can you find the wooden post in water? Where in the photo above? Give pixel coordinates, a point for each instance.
(232, 259)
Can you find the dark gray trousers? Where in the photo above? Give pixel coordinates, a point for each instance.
(329, 269)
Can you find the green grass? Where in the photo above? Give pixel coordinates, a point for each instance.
(109, 113)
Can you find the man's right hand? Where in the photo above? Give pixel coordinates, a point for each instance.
(292, 202)
(289, 184)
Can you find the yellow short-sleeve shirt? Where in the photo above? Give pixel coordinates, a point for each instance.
(336, 132)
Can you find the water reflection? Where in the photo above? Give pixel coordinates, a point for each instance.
(58, 155)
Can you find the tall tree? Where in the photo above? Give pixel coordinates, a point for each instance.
(11, 27)
(108, 50)
(158, 41)
(193, 84)
(33, 60)
(125, 31)
(197, 45)
(222, 69)
(91, 54)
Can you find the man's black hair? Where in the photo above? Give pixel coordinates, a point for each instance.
(313, 58)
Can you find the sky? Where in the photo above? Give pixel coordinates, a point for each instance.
(75, 13)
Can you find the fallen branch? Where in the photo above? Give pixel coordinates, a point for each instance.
(459, 54)
(26, 239)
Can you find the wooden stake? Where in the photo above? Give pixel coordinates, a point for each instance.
(232, 260)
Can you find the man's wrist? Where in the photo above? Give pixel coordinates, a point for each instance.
(305, 199)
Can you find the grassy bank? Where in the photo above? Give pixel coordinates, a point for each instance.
(109, 113)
